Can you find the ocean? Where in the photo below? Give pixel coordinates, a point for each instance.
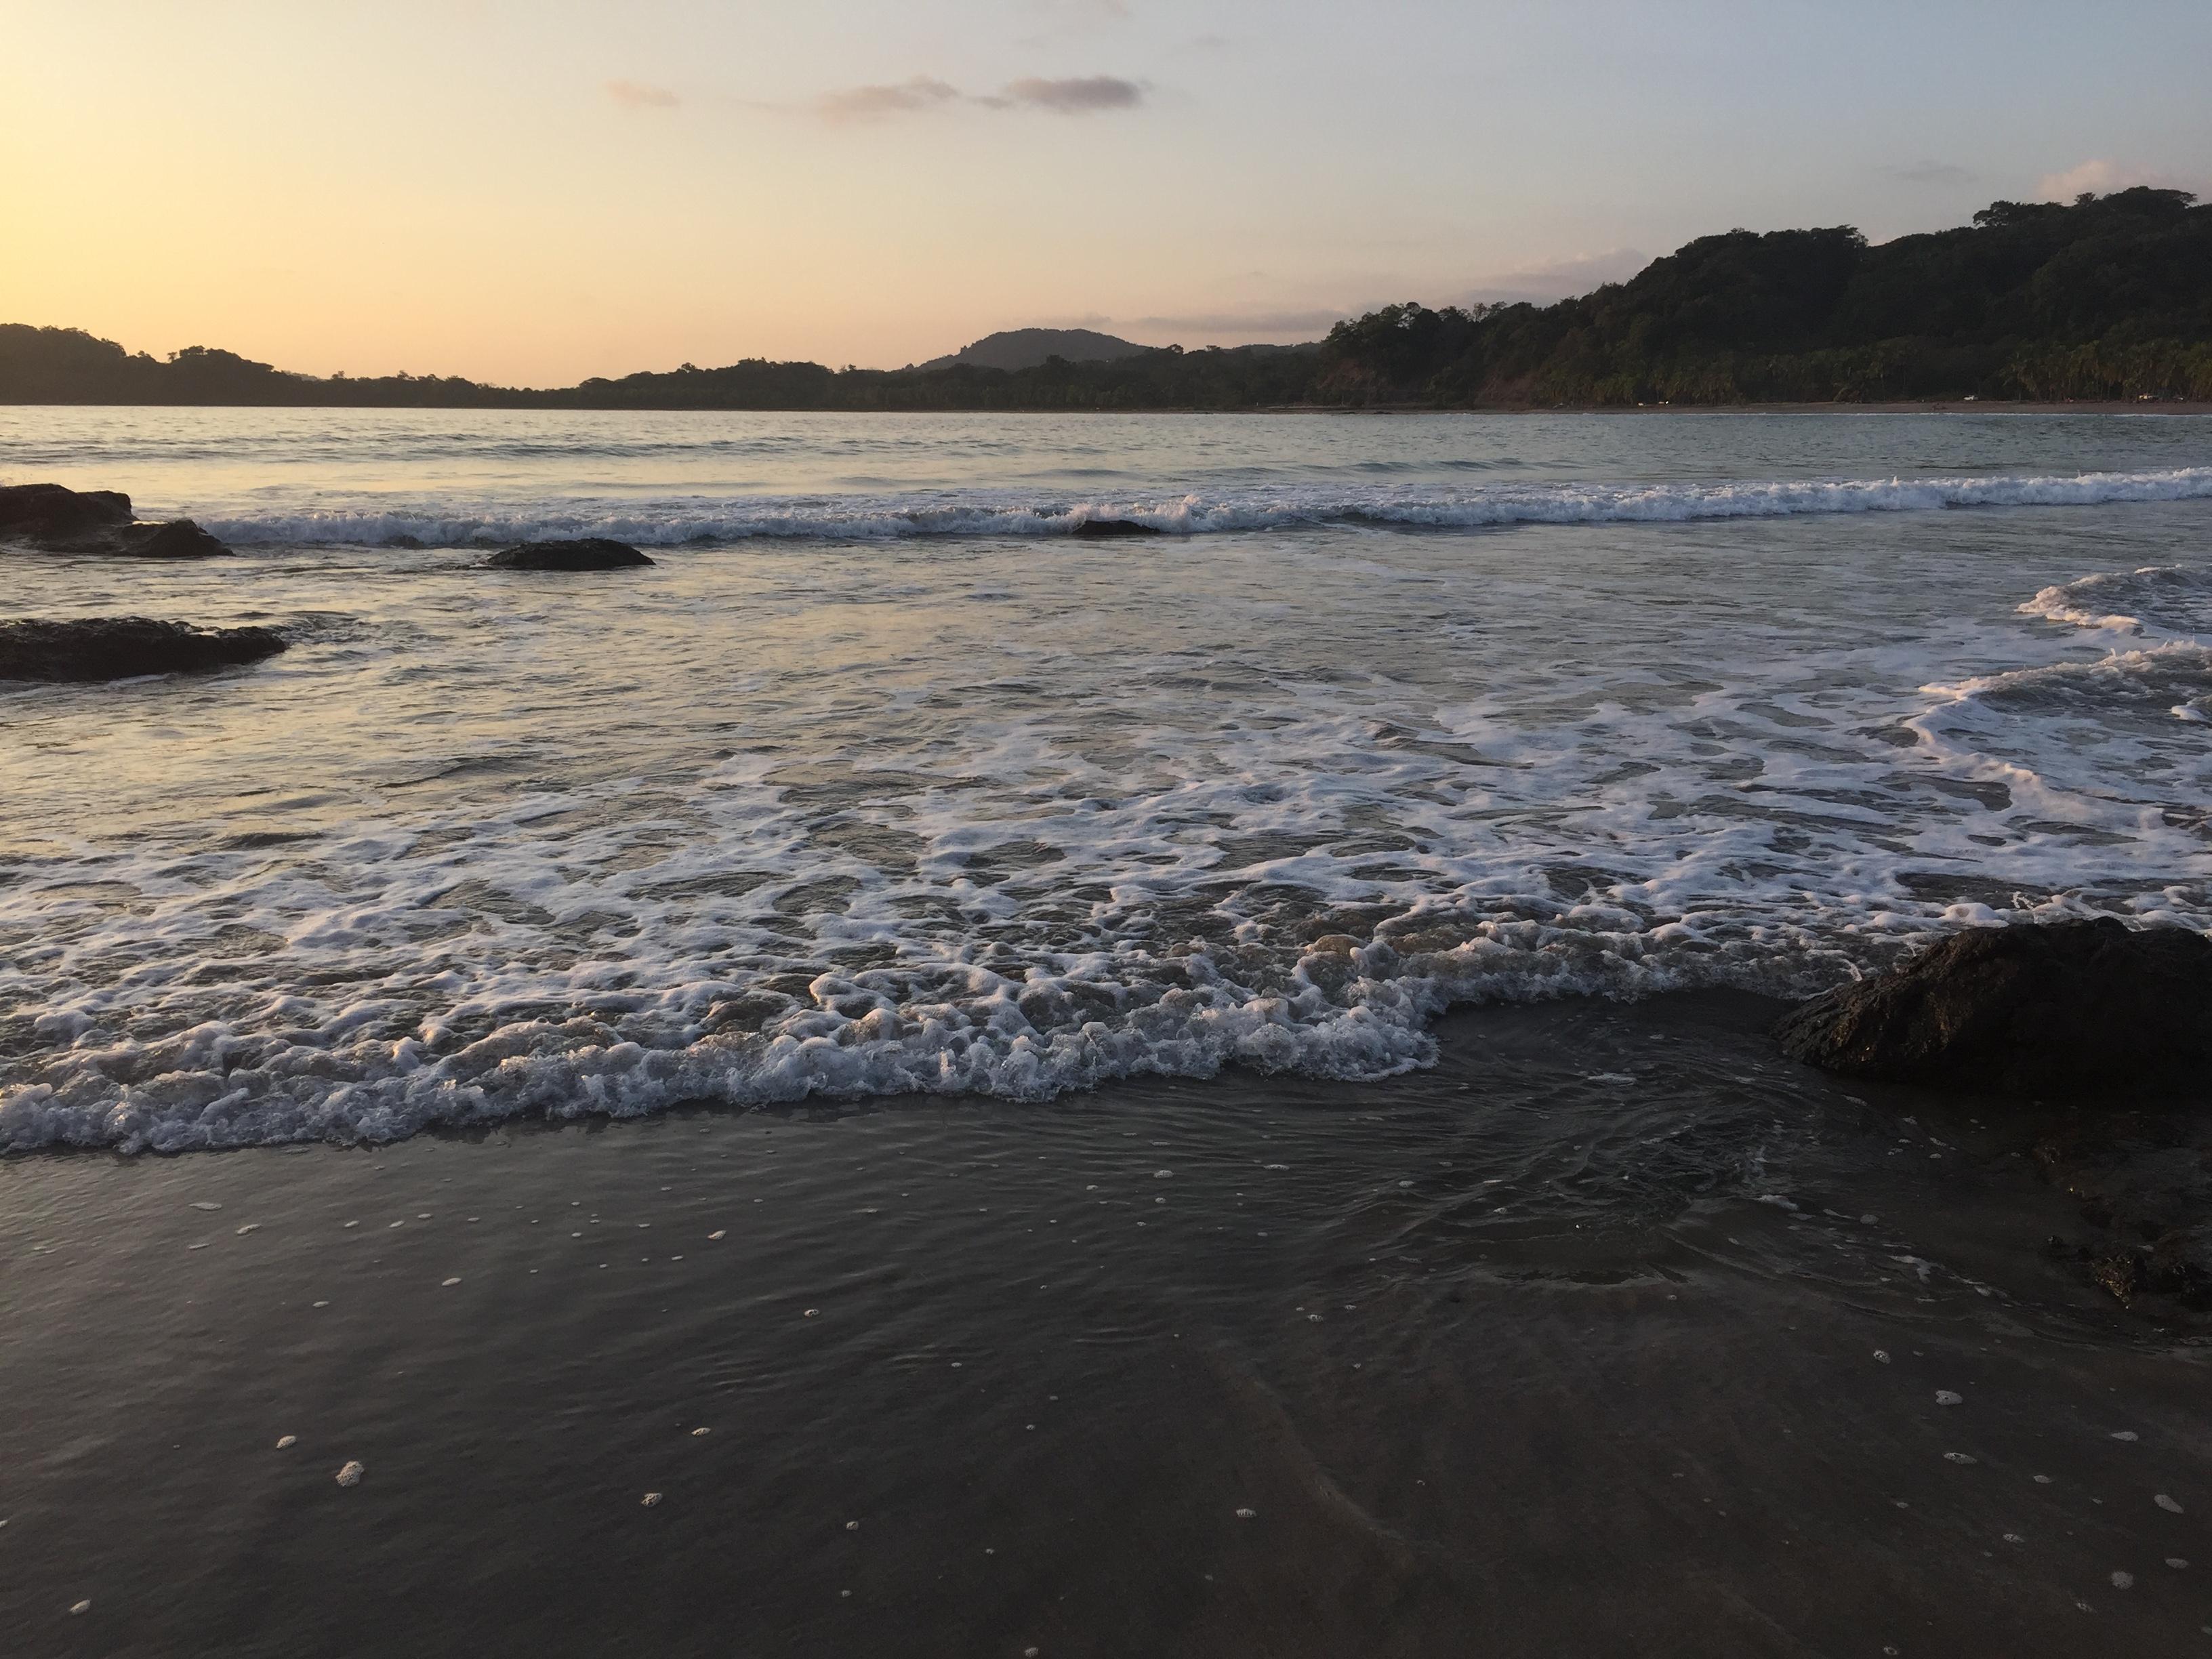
(881, 782)
(906, 1082)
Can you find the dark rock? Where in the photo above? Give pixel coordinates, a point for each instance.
(124, 647)
(1109, 529)
(62, 520)
(2143, 1179)
(45, 511)
(412, 543)
(180, 538)
(2053, 1010)
(588, 553)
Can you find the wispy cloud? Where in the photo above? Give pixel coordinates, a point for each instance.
(1930, 172)
(636, 94)
(1082, 94)
(923, 92)
(2098, 176)
(1307, 320)
(1542, 284)
(2102, 178)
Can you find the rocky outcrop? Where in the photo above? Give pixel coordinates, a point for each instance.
(1111, 529)
(179, 539)
(586, 553)
(125, 647)
(47, 511)
(56, 520)
(2059, 1009)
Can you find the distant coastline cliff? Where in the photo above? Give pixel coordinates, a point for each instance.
(2107, 297)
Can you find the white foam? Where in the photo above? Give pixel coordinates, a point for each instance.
(2174, 600)
(672, 522)
(786, 820)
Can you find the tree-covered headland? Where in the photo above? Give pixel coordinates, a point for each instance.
(2105, 297)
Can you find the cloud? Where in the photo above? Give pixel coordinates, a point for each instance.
(2098, 176)
(2102, 178)
(635, 95)
(1542, 285)
(1931, 172)
(1084, 94)
(1243, 322)
(923, 92)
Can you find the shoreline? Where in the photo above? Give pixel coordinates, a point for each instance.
(1262, 1365)
(1932, 406)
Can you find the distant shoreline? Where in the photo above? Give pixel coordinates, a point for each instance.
(2037, 307)
(1933, 406)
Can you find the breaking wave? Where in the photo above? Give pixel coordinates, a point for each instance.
(675, 521)
(2160, 598)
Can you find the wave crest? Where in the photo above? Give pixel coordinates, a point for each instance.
(866, 518)
(2163, 597)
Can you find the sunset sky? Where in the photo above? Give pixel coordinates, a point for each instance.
(533, 192)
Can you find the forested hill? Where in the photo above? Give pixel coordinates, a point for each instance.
(68, 365)
(2107, 297)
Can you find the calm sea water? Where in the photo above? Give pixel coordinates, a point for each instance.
(879, 782)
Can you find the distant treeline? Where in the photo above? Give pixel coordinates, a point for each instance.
(2107, 297)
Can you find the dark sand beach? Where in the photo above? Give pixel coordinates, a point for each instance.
(1643, 1357)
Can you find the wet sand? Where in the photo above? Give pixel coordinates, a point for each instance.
(1568, 1346)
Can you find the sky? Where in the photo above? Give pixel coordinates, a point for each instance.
(530, 192)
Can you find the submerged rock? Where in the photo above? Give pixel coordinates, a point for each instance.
(2050, 1010)
(1106, 529)
(62, 520)
(586, 553)
(124, 647)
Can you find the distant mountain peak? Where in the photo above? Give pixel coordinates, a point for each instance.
(1025, 347)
